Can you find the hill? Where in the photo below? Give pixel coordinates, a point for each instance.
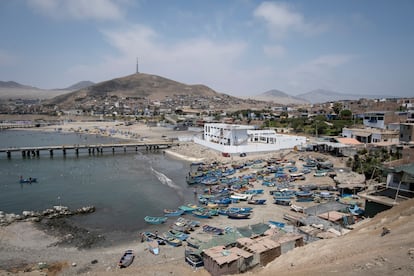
(148, 87)
(361, 252)
(279, 97)
(13, 90)
(79, 85)
(323, 96)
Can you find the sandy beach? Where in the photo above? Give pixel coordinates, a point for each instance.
(23, 247)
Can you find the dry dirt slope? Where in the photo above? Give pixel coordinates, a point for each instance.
(362, 252)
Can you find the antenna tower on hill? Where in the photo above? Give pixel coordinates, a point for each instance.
(137, 67)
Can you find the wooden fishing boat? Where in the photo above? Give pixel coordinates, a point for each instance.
(188, 208)
(257, 201)
(153, 247)
(190, 223)
(149, 236)
(155, 220)
(201, 214)
(236, 215)
(126, 259)
(194, 242)
(212, 230)
(193, 259)
(240, 209)
(173, 213)
(172, 240)
(182, 227)
(283, 201)
(177, 234)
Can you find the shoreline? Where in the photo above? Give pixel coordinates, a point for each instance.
(25, 239)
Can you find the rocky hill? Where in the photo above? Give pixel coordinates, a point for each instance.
(79, 85)
(364, 251)
(149, 87)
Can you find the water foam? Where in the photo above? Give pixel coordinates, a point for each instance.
(166, 181)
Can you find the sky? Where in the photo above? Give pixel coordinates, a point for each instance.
(238, 47)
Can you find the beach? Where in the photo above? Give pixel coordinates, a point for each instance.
(24, 247)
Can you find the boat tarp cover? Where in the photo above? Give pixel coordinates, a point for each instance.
(255, 229)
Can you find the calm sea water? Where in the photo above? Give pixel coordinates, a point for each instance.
(124, 187)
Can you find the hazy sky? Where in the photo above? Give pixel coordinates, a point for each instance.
(237, 47)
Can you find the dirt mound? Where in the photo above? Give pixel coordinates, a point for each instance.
(363, 251)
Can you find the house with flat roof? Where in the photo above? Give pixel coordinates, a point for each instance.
(236, 139)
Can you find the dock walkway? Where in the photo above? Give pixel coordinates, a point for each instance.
(98, 148)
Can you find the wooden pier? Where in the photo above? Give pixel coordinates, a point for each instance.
(90, 149)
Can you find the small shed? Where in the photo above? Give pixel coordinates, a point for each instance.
(220, 260)
(289, 242)
(264, 249)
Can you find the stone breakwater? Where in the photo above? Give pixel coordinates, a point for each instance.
(37, 216)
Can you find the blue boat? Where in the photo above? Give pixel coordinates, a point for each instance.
(257, 201)
(240, 209)
(213, 230)
(254, 192)
(201, 214)
(236, 215)
(173, 213)
(282, 201)
(276, 223)
(177, 234)
(155, 220)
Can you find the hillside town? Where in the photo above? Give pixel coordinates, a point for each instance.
(328, 167)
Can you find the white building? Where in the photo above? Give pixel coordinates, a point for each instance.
(237, 139)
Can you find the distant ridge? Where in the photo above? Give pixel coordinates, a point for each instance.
(322, 96)
(279, 97)
(13, 84)
(79, 85)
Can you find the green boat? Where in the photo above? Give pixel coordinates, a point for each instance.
(155, 220)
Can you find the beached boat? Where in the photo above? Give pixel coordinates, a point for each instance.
(153, 247)
(201, 214)
(319, 174)
(297, 208)
(282, 201)
(173, 213)
(190, 223)
(212, 230)
(276, 223)
(257, 201)
(236, 215)
(242, 196)
(240, 209)
(155, 220)
(177, 234)
(194, 242)
(182, 227)
(172, 240)
(193, 259)
(126, 259)
(28, 180)
(149, 236)
(188, 208)
(254, 192)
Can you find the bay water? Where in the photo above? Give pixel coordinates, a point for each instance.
(124, 187)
